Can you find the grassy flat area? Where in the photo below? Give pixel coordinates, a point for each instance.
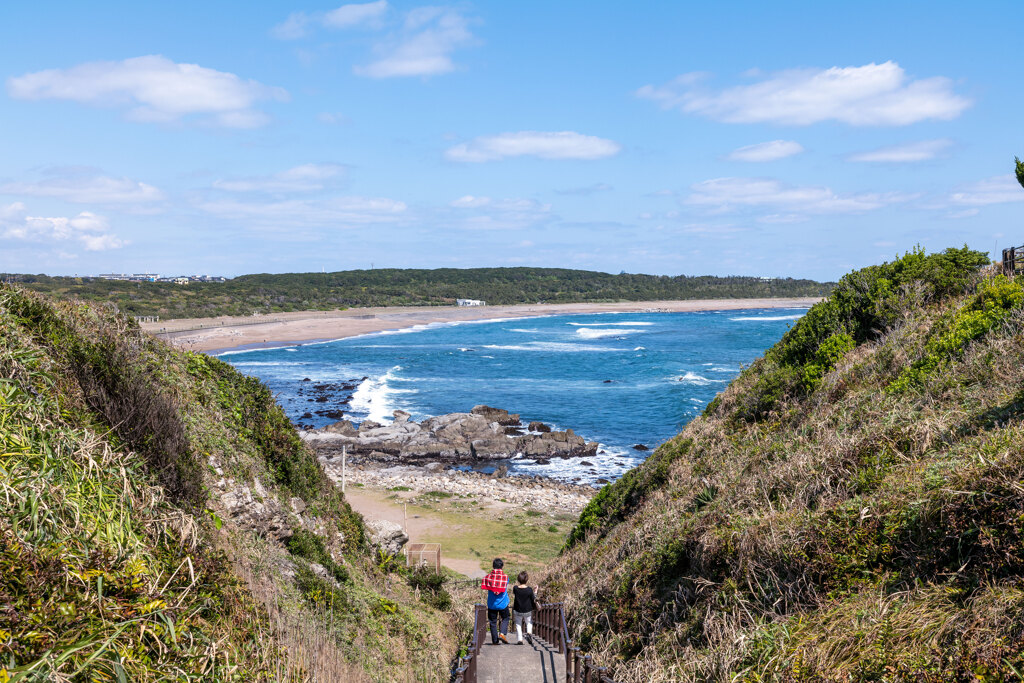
(470, 529)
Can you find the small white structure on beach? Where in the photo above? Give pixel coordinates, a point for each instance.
(470, 302)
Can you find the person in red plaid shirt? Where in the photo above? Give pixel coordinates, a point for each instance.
(496, 585)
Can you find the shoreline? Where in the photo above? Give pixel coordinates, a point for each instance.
(227, 333)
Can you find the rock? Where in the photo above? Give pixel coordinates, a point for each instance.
(587, 463)
(640, 447)
(455, 437)
(264, 517)
(499, 472)
(498, 415)
(538, 427)
(388, 536)
(321, 571)
(608, 381)
(298, 505)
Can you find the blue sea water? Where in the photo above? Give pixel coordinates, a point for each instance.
(617, 378)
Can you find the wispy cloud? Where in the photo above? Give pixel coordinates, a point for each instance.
(767, 151)
(335, 212)
(586, 190)
(153, 88)
(559, 145)
(297, 24)
(89, 230)
(786, 202)
(422, 47)
(906, 153)
(86, 188)
(869, 95)
(485, 213)
(305, 178)
(996, 190)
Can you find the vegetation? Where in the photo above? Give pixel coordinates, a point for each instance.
(849, 509)
(122, 555)
(404, 287)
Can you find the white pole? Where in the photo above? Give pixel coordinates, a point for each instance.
(344, 453)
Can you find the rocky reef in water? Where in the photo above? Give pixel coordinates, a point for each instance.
(484, 433)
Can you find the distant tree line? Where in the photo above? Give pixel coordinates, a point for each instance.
(266, 293)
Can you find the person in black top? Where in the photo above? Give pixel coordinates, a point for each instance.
(522, 609)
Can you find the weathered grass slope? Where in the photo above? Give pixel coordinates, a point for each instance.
(119, 559)
(851, 508)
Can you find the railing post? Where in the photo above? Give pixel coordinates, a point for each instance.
(586, 669)
(577, 669)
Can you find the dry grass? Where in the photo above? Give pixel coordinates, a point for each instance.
(851, 534)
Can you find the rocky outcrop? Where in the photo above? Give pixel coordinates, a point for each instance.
(485, 433)
(387, 536)
(254, 509)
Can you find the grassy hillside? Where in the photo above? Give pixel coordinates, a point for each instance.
(851, 508)
(160, 520)
(406, 287)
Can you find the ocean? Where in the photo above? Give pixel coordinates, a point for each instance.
(621, 379)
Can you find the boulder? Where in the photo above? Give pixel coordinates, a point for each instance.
(387, 536)
(498, 415)
(538, 427)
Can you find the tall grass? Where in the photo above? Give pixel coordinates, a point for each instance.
(831, 530)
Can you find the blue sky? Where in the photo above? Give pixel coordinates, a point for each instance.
(786, 139)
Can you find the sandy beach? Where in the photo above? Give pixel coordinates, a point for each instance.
(226, 332)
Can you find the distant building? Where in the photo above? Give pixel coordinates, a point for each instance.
(470, 302)
(114, 276)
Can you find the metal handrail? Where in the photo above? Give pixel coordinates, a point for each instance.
(552, 628)
(465, 671)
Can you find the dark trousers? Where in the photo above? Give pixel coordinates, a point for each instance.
(492, 619)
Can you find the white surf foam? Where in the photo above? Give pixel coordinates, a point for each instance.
(765, 318)
(698, 380)
(375, 396)
(592, 333)
(557, 347)
(525, 330)
(625, 323)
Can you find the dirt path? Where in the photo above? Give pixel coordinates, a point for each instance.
(422, 528)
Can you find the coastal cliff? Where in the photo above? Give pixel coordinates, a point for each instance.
(161, 519)
(849, 509)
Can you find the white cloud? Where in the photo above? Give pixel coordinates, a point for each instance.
(869, 95)
(767, 151)
(88, 229)
(87, 189)
(996, 190)
(470, 202)
(423, 47)
(153, 88)
(336, 212)
(787, 201)
(560, 145)
(305, 178)
(906, 153)
(348, 16)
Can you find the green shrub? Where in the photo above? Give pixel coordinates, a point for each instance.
(863, 304)
(987, 309)
(308, 545)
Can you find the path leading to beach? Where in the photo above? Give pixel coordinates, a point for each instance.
(223, 333)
